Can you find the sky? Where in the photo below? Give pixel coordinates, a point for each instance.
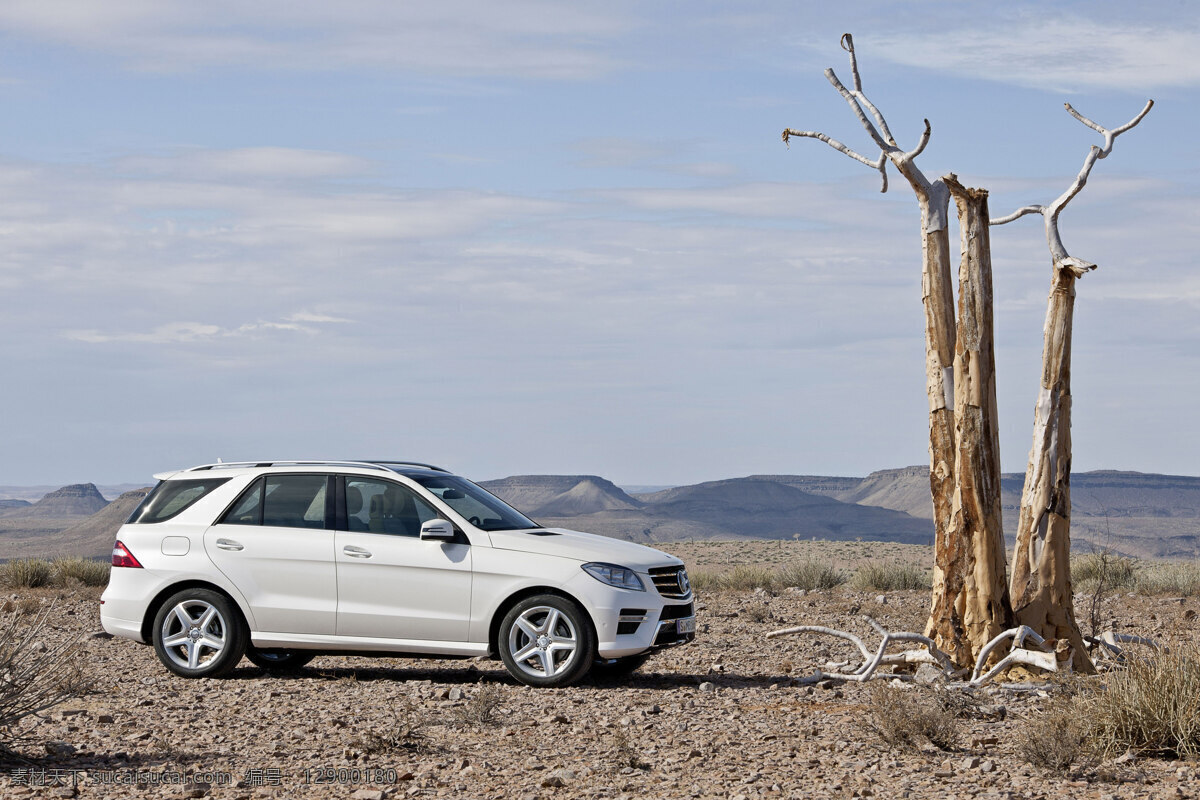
(564, 237)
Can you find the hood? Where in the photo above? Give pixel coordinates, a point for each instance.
(582, 547)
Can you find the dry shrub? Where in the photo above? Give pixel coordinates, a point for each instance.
(1152, 705)
(403, 732)
(905, 717)
(1181, 579)
(810, 576)
(704, 580)
(625, 752)
(86, 571)
(34, 676)
(884, 577)
(743, 577)
(26, 573)
(480, 709)
(1059, 737)
(1104, 571)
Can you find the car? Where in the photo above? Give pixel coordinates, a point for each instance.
(281, 561)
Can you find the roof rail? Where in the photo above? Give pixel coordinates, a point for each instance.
(387, 463)
(319, 463)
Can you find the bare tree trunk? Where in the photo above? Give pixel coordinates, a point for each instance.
(970, 602)
(1041, 580)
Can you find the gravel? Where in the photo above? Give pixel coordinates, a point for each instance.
(728, 716)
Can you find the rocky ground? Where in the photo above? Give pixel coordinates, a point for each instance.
(729, 716)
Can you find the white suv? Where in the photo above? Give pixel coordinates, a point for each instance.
(284, 560)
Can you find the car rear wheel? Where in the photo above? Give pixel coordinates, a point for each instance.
(198, 633)
(275, 660)
(547, 640)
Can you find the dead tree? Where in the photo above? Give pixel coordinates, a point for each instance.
(1041, 577)
(969, 605)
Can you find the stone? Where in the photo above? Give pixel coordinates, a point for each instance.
(455, 694)
(929, 674)
(60, 749)
(707, 687)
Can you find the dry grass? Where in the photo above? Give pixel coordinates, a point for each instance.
(1059, 737)
(405, 731)
(1104, 571)
(481, 707)
(811, 575)
(1151, 705)
(26, 573)
(34, 677)
(86, 571)
(904, 718)
(889, 577)
(1179, 578)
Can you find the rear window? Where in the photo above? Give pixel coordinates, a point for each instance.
(170, 498)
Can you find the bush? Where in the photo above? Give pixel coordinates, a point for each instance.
(811, 575)
(1181, 579)
(1152, 705)
(86, 571)
(1059, 737)
(891, 577)
(905, 717)
(1104, 571)
(480, 709)
(26, 573)
(704, 580)
(35, 677)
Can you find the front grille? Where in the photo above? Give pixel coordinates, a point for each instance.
(671, 581)
(677, 612)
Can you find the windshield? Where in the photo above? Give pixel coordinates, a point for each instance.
(481, 508)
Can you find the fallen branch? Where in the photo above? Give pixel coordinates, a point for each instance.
(1018, 654)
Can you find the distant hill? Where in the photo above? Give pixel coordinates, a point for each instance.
(8, 503)
(90, 537)
(76, 500)
(94, 536)
(736, 508)
(1139, 514)
(561, 495)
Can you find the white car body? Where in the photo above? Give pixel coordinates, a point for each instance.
(330, 590)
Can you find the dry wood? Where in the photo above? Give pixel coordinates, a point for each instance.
(970, 599)
(937, 294)
(1041, 579)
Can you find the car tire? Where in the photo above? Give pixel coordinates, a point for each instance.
(547, 640)
(276, 660)
(619, 667)
(199, 633)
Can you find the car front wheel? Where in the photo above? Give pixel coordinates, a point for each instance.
(198, 633)
(547, 640)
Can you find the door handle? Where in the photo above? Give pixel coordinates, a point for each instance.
(356, 552)
(230, 544)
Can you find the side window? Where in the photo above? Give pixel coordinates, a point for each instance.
(376, 506)
(171, 498)
(248, 508)
(294, 501)
(284, 501)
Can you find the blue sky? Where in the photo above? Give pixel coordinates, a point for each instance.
(561, 237)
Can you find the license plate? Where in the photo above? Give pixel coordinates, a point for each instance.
(686, 625)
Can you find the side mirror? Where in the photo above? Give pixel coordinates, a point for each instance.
(440, 530)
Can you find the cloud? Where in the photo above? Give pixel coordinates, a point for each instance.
(525, 38)
(187, 332)
(1054, 53)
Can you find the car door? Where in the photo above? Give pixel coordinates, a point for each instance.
(276, 544)
(391, 583)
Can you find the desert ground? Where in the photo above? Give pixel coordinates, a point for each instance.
(729, 716)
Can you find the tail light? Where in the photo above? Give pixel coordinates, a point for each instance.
(122, 557)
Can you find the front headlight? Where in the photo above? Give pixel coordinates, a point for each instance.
(620, 577)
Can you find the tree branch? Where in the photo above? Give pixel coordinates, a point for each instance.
(1058, 251)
